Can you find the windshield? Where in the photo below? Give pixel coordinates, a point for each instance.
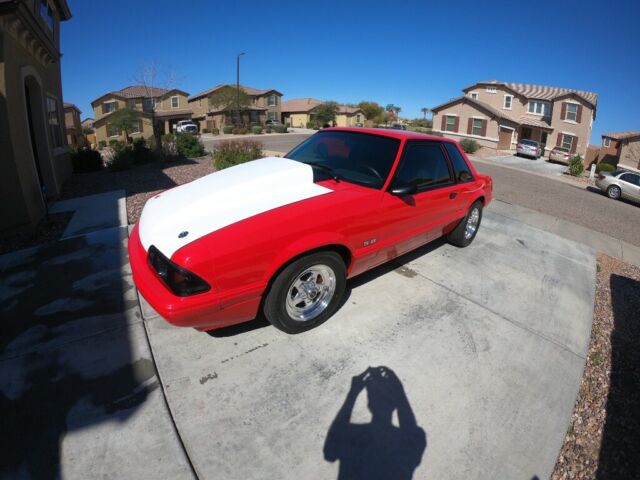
(529, 142)
(560, 149)
(354, 157)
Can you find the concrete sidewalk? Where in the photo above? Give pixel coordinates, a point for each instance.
(488, 344)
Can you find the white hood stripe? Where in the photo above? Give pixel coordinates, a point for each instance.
(223, 198)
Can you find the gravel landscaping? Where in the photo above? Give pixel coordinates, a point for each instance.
(140, 182)
(603, 439)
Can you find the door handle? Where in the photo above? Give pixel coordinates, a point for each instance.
(453, 195)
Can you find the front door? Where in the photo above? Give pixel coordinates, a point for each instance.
(526, 133)
(34, 147)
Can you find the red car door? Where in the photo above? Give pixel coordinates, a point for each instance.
(412, 220)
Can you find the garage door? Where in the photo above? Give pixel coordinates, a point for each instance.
(504, 139)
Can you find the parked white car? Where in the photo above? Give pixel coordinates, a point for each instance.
(185, 126)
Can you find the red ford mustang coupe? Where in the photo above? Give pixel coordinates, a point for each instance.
(282, 235)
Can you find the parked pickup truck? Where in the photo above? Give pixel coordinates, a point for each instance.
(185, 126)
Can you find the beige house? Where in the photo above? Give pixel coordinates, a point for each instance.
(165, 107)
(87, 123)
(498, 114)
(265, 105)
(72, 126)
(299, 112)
(34, 156)
(621, 148)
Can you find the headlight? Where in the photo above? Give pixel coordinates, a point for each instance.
(180, 281)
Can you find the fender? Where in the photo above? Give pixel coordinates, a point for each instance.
(302, 245)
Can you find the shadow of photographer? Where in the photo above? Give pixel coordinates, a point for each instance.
(379, 449)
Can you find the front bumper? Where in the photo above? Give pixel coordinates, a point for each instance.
(202, 311)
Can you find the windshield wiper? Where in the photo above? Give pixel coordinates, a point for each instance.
(326, 169)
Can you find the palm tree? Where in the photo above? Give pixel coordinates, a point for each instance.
(424, 111)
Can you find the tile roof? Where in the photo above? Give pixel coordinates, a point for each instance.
(541, 92)
(622, 135)
(494, 111)
(137, 91)
(248, 90)
(300, 105)
(71, 105)
(348, 110)
(534, 122)
(173, 113)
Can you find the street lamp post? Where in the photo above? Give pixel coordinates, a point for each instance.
(238, 83)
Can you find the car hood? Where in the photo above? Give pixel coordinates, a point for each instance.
(176, 217)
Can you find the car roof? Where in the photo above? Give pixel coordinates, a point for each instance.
(391, 133)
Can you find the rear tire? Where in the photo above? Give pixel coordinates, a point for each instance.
(614, 192)
(467, 229)
(306, 292)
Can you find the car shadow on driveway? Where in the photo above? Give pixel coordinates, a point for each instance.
(378, 449)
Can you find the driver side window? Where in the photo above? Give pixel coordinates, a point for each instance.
(425, 166)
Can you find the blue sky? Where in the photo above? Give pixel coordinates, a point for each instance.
(411, 54)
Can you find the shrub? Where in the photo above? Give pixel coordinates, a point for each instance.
(140, 152)
(205, 130)
(120, 159)
(116, 144)
(469, 145)
(102, 144)
(267, 130)
(310, 125)
(227, 129)
(257, 129)
(168, 137)
(240, 131)
(86, 160)
(215, 131)
(605, 167)
(576, 167)
(234, 152)
(280, 128)
(169, 146)
(189, 145)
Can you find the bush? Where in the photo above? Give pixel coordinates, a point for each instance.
(116, 144)
(240, 131)
(120, 159)
(215, 131)
(102, 144)
(280, 128)
(140, 152)
(234, 152)
(267, 130)
(605, 167)
(227, 129)
(189, 145)
(310, 125)
(205, 130)
(469, 145)
(576, 167)
(257, 129)
(86, 160)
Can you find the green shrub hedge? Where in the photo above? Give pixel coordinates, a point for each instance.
(215, 131)
(84, 161)
(102, 144)
(256, 129)
(605, 167)
(576, 167)
(189, 145)
(310, 125)
(280, 128)
(227, 129)
(469, 145)
(234, 152)
(205, 130)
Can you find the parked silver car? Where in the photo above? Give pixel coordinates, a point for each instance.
(529, 148)
(620, 183)
(559, 154)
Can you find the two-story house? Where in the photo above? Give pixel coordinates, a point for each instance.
(298, 112)
(72, 126)
(498, 114)
(151, 104)
(264, 105)
(622, 148)
(34, 156)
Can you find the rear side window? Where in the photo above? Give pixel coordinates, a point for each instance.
(425, 166)
(631, 178)
(460, 167)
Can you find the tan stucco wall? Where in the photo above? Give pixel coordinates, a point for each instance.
(298, 120)
(464, 111)
(101, 132)
(630, 153)
(19, 186)
(582, 130)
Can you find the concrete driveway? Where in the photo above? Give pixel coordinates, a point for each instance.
(482, 352)
(540, 165)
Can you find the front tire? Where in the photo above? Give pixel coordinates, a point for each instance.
(467, 229)
(306, 292)
(614, 192)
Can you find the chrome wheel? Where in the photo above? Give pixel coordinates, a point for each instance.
(310, 293)
(614, 192)
(472, 223)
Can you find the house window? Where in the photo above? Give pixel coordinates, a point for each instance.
(451, 123)
(149, 104)
(137, 128)
(491, 90)
(254, 116)
(53, 117)
(567, 141)
(358, 118)
(508, 99)
(474, 95)
(112, 131)
(476, 127)
(271, 100)
(572, 112)
(539, 108)
(46, 12)
(606, 142)
(108, 107)
(175, 102)
(131, 103)
(272, 115)
(200, 102)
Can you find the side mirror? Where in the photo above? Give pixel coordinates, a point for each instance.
(402, 189)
